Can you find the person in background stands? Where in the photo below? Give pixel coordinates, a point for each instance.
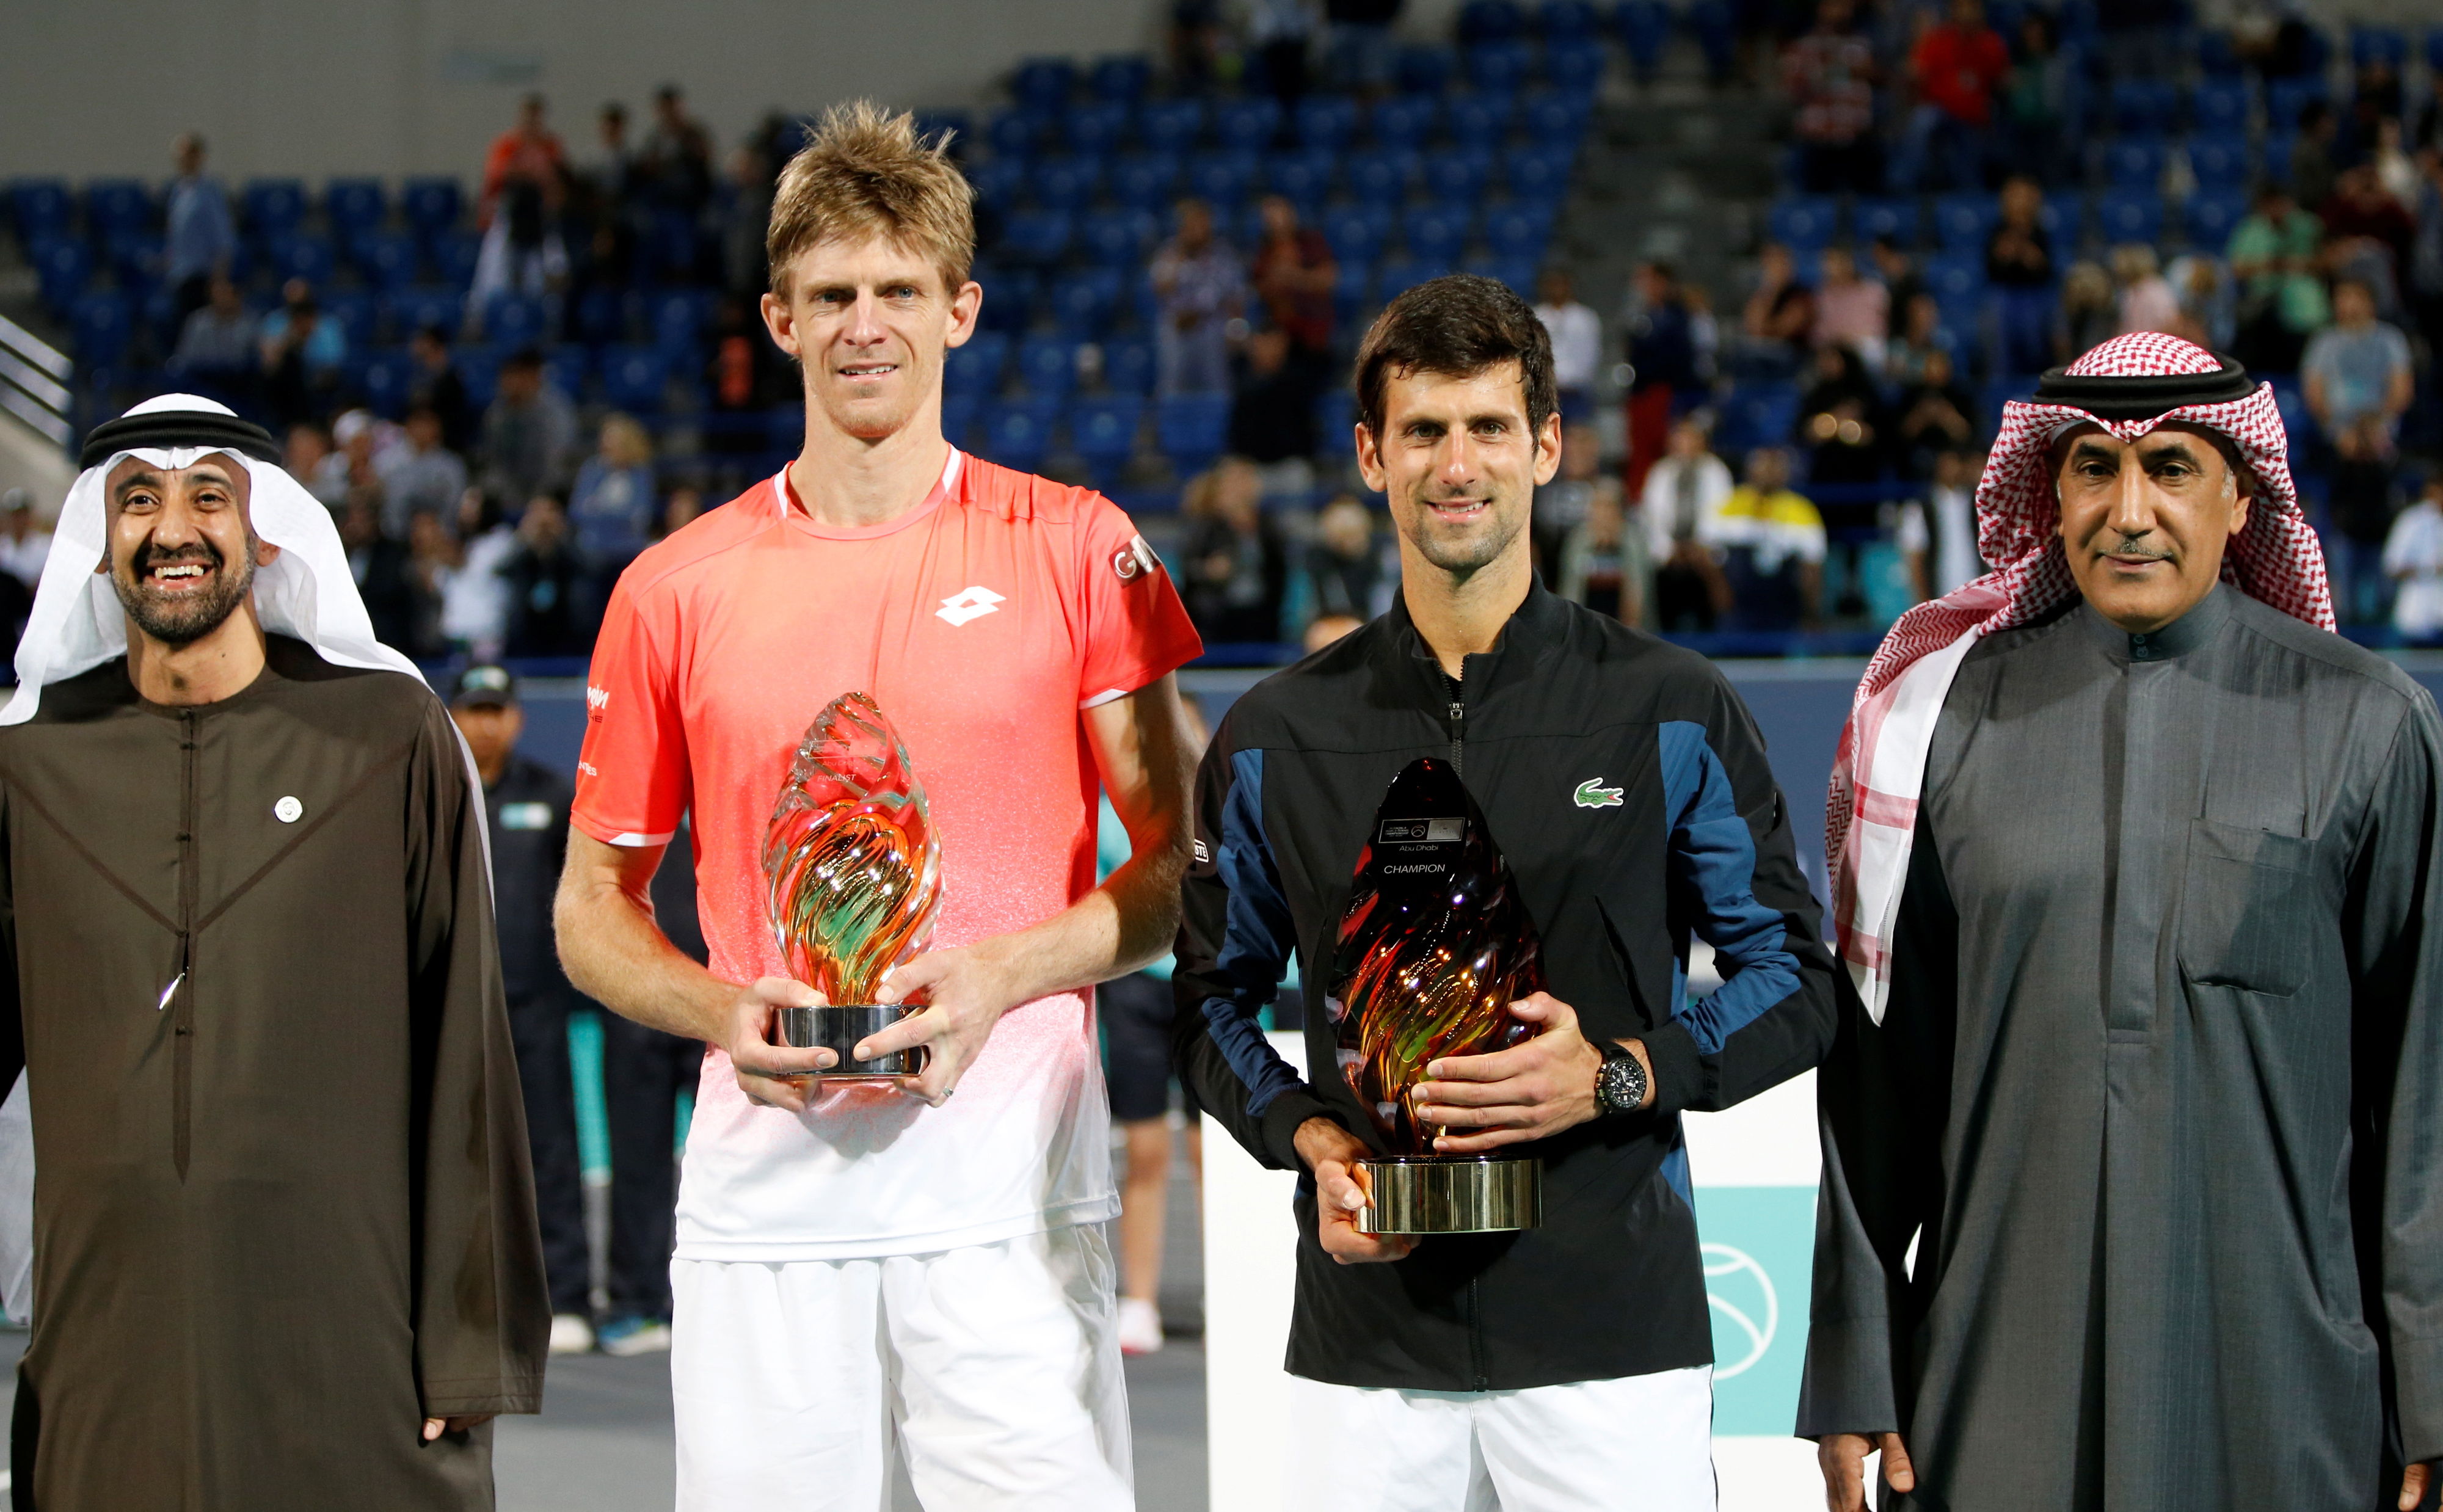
(1561, 504)
(1957, 64)
(2313, 168)
(529, 432)
(2035, 101)
(2414, 558)
(1604, 564)
(1935, 414)
(1771, 548)
(610, 506)
(1938, 535)
(1850, 311)
(474, 592)
(525, 181)
(1682, 505)
(219, 352)
(2019, 266)
(1293, 273)
(1831, 74)
(2356, 368)
(306, 453)
(1342, 563)
(302, 354)
(25, 545)
(421, 478)
(1662, 360)
(202, 237)
(1272, 404)
(545, 575)
(1577, 342)
(1199, 287)
(1919, 336)
(1903, 284)
(1362, 48)
(677, 167)
(438, 386)
(2359, 502)
(380, 565)
(2275, 254)
(1237, 566)
(2147, 300)
(1777, 318)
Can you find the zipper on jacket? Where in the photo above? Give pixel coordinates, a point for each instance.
(1480, 1381)
(1458, 687)
(182, 993)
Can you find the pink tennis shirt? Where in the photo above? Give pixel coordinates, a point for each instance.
(983, 622)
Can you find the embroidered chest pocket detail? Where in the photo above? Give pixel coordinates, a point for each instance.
(2243, 905)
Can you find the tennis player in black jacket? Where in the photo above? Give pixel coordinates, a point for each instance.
(1568, 1365)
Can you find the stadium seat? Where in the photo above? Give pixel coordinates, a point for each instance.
(1356, 231)
(1044, 84)
(1246, 125)
(998, 182)
(1098, 128)
(1458, 175)
(2378, 44)
(2129, 217)
(1380, 179)
(958, 420)
(1490, 21)
(1425, 70)
(2134, 163)
(1644, 27)
(1479, 118)
(1083, 303)
(1555, 117)
(1517, 272)
(2216, 58)
(1404, 122)
(271, 206)
(431, 205)
(1103, 432)
(1009, 295)
(1018, 432)
(1171, 125)
(2219, 164)
(1566, 21)
(1220, 178)
(1120, 77)
(1573, 68)
(1120, 238)
(1146, 181)
(678, 318)
(1715, 24)
(1013, 133)
(2297, 418)
(1192, 430)
(40, 208)
(356, 206)
(1513, 233)
(634, 378)
(1065, 181)
(61, 268)
(1352, 288)
(1128, 365)
(352, 311)
(2434, 50)
(1335, 418)
(1758, 415)
(383, 380)
(1962, 222)
(411, 310)
(1802, 223)
(293, 255)
(115, 207)
(1035, 236)
(1303, 179)
(975, 368)
(566, 368)
(1047, 365)
(2273, 157)
(1398, 273)
(453, 255)
(1433, 233)
(2212, 219)
(2143, 107)
(1953, 276)
(958, 125)
(102, 323)
(2218, 110)
(1891, 220)
(2285, 98)
(599, 317)
(1535, 172)
(1498, 68)
(1326, 122)
(479, 365)
(385, 259)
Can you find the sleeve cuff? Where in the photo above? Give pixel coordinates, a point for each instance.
(1846, 1387)
(2418, 1387)
(1282, 1121)
(1678, 1069)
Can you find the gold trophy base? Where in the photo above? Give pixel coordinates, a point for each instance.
(840, 1028)
(1423, 1194)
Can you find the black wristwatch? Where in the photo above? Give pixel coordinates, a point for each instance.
(1620, 1082)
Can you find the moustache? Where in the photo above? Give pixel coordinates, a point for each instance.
(2129, 547)
(147, 556)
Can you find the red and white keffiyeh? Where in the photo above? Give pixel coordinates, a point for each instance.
(1871, 820)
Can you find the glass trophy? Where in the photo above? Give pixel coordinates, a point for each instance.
(852, 874)
(1434, 946)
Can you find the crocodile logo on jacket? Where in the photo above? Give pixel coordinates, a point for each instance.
(1592, 794)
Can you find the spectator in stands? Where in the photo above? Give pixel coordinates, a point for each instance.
(679, 510)
(1604, 564)
(2369, 235)
(2359, 506)
(2208, 300)
(2394, 166)
(743, 220)
(1830, 73)
(1237, 567)
(1936, 416)
(529, 432)
(423, 477)
(2274, 254)
(2147, 300)
(1198, 40)
(1199, 286)
(1850, 311)
(1293, 274)
(2312, 155)
(1279, 34)
(544, 575)
(1343, 566)
(380, 565)
(746, 378)
(2412, 554)
(1663, 364)
(2034, 105)
(1900, 279)
(2019, 266)
(1958, 63)
(25, 545)
(1359, 37)
(306, 453)
(475, 591)
(677, 161)
(431, 553)
(2426, 254)
(437, 385)
(524, 185)
(2375, 98)
(1921, 336)
(1771, 548)
(1682, 505)
(606, 170)
(1840, 419)
(362, 440)
(201, 235)
(1272, 408)
(1777, 318)
(1577, 342)
(2090, 313)
(219, 351)
(2358, 368)
(302, 354)
(1937, 535)
(1559, 505)
(610, 506)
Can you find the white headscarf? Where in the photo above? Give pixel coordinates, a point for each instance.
(306, 591)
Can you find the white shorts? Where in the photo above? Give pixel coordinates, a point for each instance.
(1641, 1443)
(993, 1370)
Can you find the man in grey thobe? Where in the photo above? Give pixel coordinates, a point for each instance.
(2132, 1134)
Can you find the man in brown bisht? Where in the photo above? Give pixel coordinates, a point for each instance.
(285, 1250)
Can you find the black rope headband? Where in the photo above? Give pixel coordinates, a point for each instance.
(2144, 397)
(176, 427)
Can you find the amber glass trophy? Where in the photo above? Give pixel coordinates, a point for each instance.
(1433, 948)
(852, 874)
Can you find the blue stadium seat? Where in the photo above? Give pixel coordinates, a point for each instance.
(2213, 218)
(1892, 220)
(566, 368)
(1962, 222)
(352, 311)
(1555, 118)
(356, 206)
(453, 255)
(1353, 287)
(998, 181)
(1121, 238)
(1356, 231)
(1009, 295)
(1103, 432)
(270, 206)
(479, 365)
(958, 125)
(2129, 217)
(1952, 278)
(1044, 84)
(2435, 49)
(2218, 109)
(959, 419)
(1566, 21)
(1065, 181)
(1304, 178)
(1146, 181)
(1380, 179)
(2291, 399)
(385, 259)
(2134, 163)
(2273, 158)
(1083, 303)
(1047, 365)
(1036, 237)
(1573, 66)
(1192, 428)
(1425, 70)
(102, 323)
(599, 315)
(1129, 365)
(411, 309)
(1403, 123)
(1536, 172)
(1758, 415)
(634, 378)
(1433, 233)
(1220, 178)
(1457, 175)
(431, 205)
(294, 255)
(2144, 107)
(2219, 164)
(40, 208)
(1644, 27)
(1120, 77)
(516, 320)
(1513, 233)
(1098, 128)
(1246, 125)
(1478, 118)
(1398, 273)
(2378, 44)
(1171, 125)
(2216, 58)
(2285, 98)
(1517, 272)
(1715, 24)
(61, 268)
(1013, 133)
(1498, 68)
(383, 380)
(1326, 122)
(1803, 223)
(975, 367)
(115, 207)
(1335, 418)
(1490, 21)
(1018, 432)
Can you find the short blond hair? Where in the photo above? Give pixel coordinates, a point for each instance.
(865, 172)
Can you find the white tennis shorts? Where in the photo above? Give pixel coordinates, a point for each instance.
(992, 1371)
(1641, 1443)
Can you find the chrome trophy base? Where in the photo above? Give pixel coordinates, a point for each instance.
(1451, 1194)
(840, 1028)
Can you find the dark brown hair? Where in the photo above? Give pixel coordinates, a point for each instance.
(1459, 325)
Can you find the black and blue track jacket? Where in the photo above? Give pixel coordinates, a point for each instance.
(1627, 785)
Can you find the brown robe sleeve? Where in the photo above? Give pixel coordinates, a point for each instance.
(483, 1317)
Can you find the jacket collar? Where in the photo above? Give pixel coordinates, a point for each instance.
(1539, 622)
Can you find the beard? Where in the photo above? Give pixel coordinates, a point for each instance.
(183, 619)
(1464, 551)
